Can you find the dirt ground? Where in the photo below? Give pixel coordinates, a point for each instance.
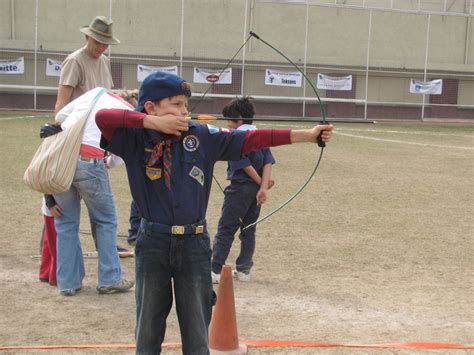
(378, 249)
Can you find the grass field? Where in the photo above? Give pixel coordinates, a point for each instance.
(377, 249)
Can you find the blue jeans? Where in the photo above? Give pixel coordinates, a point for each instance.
(91, 183)
(163, 263)
(238, 210)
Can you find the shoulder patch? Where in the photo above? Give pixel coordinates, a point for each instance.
(212, 129)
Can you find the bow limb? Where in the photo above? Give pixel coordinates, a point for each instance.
(319, 140)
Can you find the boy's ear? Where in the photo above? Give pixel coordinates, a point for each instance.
(149, 107)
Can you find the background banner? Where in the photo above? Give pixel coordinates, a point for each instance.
(144, 70)
(326, 82)
(12, 66)
(433, 87)
(53, 67)
(206, 76)
(282, 78)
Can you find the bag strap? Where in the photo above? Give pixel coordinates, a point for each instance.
(84, 118)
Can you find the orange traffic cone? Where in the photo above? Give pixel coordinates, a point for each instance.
(223, 337)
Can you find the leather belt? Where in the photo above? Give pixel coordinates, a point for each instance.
(195, 228)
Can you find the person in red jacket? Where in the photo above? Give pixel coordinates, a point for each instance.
(169, 162)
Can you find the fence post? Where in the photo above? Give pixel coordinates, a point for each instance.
(305, 58)
(35, 79)
(369, 37)
(182, 40)
(426, 64)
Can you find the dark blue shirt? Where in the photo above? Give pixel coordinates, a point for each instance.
(257, 159)
(193, 159)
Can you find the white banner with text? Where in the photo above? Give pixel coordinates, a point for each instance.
(283, 78)
(433, 87)
(327, 82)
(144, 70)
(12, 66)
(53, 67)
(206, 76)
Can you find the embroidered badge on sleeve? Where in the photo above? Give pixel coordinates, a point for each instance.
(197, 175)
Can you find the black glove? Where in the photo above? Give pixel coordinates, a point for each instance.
(49, 129)
(50, 201)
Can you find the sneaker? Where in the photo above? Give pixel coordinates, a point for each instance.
(124, 253)
(121, 286)
(243, 276)
(215, 277)
(69, 292)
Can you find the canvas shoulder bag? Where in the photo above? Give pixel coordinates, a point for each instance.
(53, 166)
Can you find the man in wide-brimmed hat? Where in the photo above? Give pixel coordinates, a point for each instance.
(87, 68)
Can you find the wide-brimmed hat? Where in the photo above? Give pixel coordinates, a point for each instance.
(100, 29)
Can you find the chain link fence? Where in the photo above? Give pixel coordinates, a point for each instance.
(380, 59)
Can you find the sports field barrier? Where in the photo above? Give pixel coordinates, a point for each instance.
(382, 45)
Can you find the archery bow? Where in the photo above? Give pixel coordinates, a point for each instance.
(320, 142)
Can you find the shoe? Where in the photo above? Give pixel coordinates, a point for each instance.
(69, 292)
(124, 253)
(121, 286)
(216, 278)
(43, 279)
(243, 276)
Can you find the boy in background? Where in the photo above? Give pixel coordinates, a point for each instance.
(249, 181)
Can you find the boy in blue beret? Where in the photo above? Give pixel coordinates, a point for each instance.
(170, 162)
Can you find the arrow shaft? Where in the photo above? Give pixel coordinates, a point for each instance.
(208, 118)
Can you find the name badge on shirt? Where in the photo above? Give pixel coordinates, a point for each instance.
(197, 175)
(153, 173)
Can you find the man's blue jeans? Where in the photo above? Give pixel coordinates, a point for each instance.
(165, 262)
(91, 184)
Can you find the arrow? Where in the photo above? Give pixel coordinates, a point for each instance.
(210, 118)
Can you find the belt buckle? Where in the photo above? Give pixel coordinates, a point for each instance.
(178, 230)
(199, 229)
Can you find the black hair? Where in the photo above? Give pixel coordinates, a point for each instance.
(240, 108)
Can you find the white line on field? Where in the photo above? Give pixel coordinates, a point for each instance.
(404, 142)
(405, 132)
(19, 117)
(338, 129)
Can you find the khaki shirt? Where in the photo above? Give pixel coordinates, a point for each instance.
(84, 72)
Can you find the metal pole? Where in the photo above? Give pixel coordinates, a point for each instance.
(369, 37)
(35, 79)
(244, 35)
(426, 64)
(182, 40)
(468, 39)
(305, 57)
(12, 14)
(109, 50)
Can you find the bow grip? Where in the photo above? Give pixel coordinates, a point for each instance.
(319, 139)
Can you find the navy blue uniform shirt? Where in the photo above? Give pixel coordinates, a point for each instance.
(193, 158)
(257, 160)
